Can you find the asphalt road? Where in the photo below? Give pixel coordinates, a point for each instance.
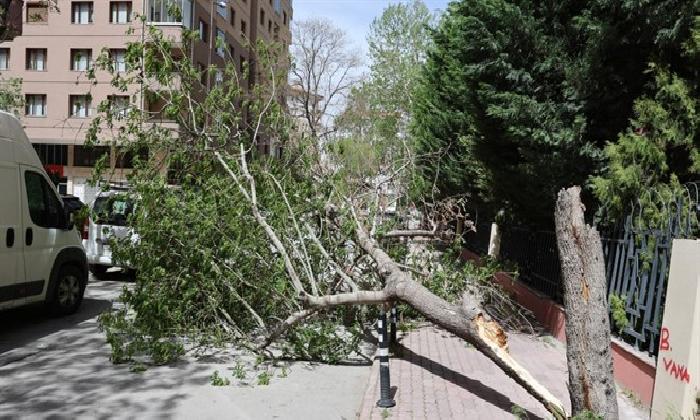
(60, 368)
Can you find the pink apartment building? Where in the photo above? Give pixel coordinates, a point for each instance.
(52, 49)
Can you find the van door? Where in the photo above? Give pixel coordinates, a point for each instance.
(43, 219)
(11, 245)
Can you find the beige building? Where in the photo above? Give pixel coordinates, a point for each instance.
(53, 48)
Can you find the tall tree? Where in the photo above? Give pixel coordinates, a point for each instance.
(376, 115)
(660, 150)
(527, 105)
(398, 42)
(324, 68)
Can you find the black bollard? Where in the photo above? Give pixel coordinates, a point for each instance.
(393, 325)
(385, 400)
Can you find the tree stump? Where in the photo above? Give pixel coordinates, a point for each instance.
(591, 380)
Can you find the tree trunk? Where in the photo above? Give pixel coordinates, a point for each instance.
(466, 321)
(591, 380)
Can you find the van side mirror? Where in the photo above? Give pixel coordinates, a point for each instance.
(69, 219)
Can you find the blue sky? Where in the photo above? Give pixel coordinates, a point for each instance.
(354, 16)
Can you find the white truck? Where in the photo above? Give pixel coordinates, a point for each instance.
(41, 256)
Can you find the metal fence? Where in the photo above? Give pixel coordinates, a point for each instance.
(536, 255)
(637, 261)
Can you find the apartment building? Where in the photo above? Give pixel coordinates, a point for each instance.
(52, 48)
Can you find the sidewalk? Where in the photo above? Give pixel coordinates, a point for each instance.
(439, 376)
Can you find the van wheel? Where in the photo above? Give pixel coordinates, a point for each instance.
(69, 291)
(98, 270)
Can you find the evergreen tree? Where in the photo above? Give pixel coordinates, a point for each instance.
(519, 98)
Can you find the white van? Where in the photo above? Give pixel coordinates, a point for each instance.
(41, 257)
(109, 216)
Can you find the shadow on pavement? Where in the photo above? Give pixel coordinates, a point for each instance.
(61, 368)
(475, 387)
(19, 327)
(24, 325)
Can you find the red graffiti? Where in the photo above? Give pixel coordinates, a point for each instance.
(677, 371)
(665, 345)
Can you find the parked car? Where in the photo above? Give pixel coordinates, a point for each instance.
(109, 216)
(41, 257)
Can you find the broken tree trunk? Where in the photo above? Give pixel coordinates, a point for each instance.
(591, 380)
(466, 321)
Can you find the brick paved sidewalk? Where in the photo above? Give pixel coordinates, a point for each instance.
(439, 376)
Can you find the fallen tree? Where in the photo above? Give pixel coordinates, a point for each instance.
(247, 247)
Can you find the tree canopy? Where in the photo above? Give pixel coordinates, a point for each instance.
(527, 104)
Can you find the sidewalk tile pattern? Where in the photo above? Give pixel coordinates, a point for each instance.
(438, 376)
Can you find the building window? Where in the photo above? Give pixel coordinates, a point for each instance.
(80, 106)
(81, 60)
(221, 9)
(4, 58)
(203, 31)
(88, 156)
(269, 26)
(35, 105)
(120, 12)
(284, 18)
(159, 12)
(82, 12)
(36, 59)
(220, 43)
(278, 7)
(232, 15)
(262, 17)
(187, 9)
(37, 12)
(52, 154)
(244, 28)
(118, 57)
(119, 106)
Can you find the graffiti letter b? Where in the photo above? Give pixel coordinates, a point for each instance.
(664, 345)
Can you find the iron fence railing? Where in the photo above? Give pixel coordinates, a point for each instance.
(637, 263)
(537, 258)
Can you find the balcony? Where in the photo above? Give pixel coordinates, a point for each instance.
(159, 13)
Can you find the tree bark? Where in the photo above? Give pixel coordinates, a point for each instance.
(591, 380)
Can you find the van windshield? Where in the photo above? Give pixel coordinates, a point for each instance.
(112, 210)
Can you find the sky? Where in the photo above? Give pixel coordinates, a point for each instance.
(354, 16)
